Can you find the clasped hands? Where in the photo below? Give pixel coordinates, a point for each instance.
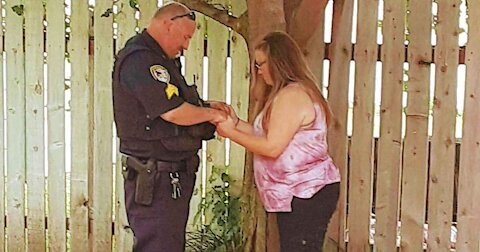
(225, 118)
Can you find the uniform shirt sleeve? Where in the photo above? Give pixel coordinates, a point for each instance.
(152, 93)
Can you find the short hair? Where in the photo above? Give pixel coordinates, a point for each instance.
(171, 9)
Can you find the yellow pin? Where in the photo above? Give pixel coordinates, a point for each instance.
(170, 90)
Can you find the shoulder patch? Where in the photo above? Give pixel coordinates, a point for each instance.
(160, 73)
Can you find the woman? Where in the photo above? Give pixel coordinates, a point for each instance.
(294, 174)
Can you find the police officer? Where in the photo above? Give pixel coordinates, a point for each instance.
(161, 122)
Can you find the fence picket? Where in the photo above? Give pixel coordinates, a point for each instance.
(443, 143)
(468, 213)
(147, 9)
(55, 15)
(239, 96)
(15, 65)
(101, 227)
(35, 173)
(361, 152)
(123, 234)
(194, 75)
(340, 56)
(217, 37)
(415, 150)
(390, 140)
(2, 144)
(82, 127)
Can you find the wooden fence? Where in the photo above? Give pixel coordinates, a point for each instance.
(62, 189)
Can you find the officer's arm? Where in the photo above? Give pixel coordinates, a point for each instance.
(188, 114)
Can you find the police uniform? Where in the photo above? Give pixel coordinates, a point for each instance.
(147, 84)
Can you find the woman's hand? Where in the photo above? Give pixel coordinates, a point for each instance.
(225, 128)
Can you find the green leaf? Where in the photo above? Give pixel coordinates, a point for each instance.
(107, 12)
(225, 178)
(134, 4)
(18, 9)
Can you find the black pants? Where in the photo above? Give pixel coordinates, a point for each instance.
(303, 229)
(160, 227)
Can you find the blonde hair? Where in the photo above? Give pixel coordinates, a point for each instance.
(286, 65)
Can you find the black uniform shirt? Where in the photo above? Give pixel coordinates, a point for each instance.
(150, 85)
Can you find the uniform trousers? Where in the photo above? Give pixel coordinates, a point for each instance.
(160, 227)
(303, 229)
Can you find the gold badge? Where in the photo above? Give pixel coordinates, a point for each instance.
(170, 90)
(160, 73)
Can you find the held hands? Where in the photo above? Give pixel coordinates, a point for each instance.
(225, 127)
(228, 109)
(224, 124)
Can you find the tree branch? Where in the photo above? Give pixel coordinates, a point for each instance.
(239, 25)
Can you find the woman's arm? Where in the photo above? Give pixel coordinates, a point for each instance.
(288, 114)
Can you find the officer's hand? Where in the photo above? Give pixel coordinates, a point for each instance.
(226, 127)
(220, 106)
(218, 116)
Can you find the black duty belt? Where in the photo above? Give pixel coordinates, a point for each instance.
(190, 164)
(145, 172)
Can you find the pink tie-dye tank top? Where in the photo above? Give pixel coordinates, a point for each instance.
(301, 170)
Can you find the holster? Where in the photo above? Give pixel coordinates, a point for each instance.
(145, 183)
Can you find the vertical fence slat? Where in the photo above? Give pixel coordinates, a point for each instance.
(340, 55)
(442, 156)
(468, 216)
(101, 232)
(361, 151)
(415, 150)
(15, 126)
(2, 144)
(390, 140)
(315, 50)
(35, 173)
(240, 91)
(217, 64)
(147, 9)
(123, 234)
(81, 105)
(194, 74)
(55, 15)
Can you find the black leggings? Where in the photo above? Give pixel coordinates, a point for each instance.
(303, 229)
